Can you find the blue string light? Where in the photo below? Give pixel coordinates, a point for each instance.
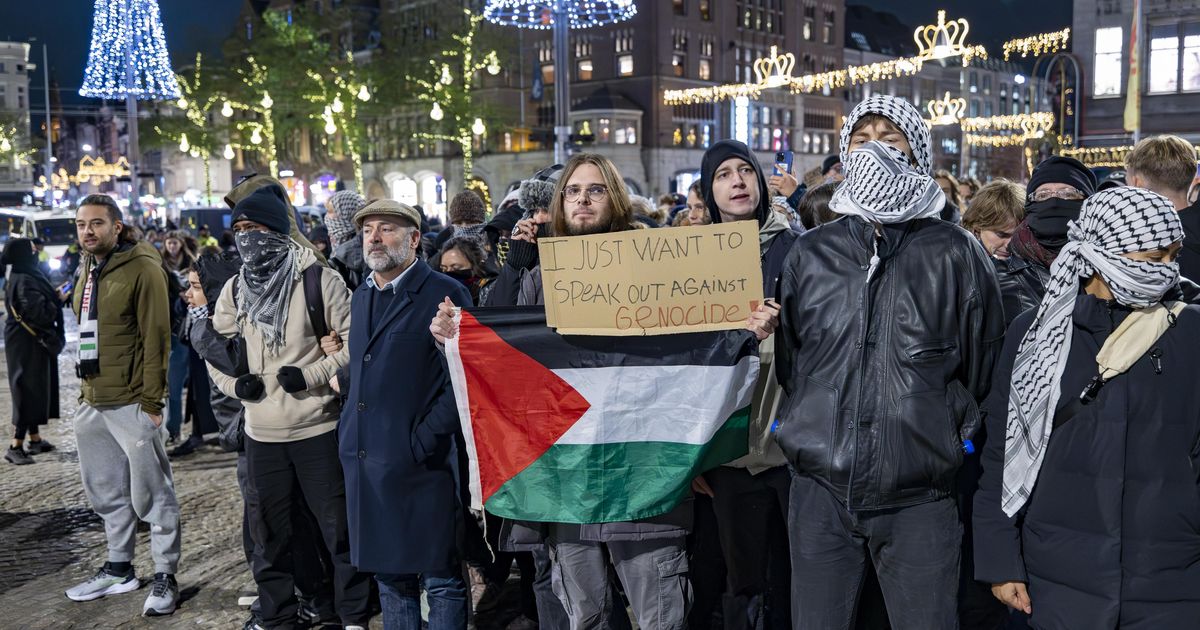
(126, 32)
(539, 14)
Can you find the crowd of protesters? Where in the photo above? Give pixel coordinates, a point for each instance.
(972, 408)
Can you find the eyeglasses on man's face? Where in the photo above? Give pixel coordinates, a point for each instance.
(595, 193)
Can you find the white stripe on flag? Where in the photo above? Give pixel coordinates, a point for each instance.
(458, 379)
(663, 403)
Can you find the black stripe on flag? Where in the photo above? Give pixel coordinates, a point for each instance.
(524, 328)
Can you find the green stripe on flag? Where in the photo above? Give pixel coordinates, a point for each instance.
(608, 483)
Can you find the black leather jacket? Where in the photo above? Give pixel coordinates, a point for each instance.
(883, 376)
(1022, 285)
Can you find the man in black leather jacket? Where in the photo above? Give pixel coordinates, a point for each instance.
(891, 322)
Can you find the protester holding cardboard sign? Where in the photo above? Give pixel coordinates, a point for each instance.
(590, 198)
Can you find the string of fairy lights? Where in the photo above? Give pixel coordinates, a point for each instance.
(937, 41)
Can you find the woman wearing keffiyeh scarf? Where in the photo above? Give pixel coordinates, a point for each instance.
(339, 218)
(1088, 513)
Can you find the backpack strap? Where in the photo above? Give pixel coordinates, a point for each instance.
(314, 298)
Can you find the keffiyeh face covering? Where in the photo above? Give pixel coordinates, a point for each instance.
(882, 186)
(1114, 222)
(345, 204)
(270, 269)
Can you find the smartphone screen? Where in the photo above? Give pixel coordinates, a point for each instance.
(783, 157)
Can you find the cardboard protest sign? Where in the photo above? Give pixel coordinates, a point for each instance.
(652, 282)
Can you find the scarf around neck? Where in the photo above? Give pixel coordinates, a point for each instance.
(1114, 222)
(882, 187)
(270, 269)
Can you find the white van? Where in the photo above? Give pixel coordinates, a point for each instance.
(56, 228)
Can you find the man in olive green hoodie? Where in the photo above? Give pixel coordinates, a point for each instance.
(124, 336)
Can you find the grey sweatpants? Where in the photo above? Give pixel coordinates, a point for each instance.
(127, 478)
(653, 572)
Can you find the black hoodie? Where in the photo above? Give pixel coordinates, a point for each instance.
(713, 158)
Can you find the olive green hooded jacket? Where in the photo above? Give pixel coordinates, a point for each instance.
(133, 329)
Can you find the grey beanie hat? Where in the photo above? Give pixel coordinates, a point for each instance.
(537, 191)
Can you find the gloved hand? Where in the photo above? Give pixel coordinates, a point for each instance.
(522, 255)
(291, 379)
(248, 387)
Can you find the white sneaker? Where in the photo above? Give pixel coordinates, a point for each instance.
(164, 594)
(103, 583)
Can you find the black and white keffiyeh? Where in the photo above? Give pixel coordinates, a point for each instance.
(1114, 222)
(882, 185)
(345, 204)
(270, 269)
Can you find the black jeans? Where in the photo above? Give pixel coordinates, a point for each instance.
(309, 471)
(915, 552)
(752, 522)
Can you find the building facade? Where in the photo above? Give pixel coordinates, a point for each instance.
(617, 77)
(16, 175)
(1169, 65)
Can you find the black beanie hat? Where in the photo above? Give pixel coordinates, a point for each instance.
(830, 162)
(714, 157)
(1063, 170)
(266, 206)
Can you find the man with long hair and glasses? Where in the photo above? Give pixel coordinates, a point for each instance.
(591, 198)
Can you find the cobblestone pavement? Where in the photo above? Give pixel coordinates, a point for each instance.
(51, 539)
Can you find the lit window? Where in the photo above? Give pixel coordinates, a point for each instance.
(704, 12)
(1191, 57)
(625, 65)
(1164, 59)
(705, 69)
(677, 64)
(548, 73)
(1106, 76)
(680, 7)
(830, 19)
(584, 70)
(604, 131)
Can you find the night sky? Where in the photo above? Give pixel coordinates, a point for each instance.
(191, 25)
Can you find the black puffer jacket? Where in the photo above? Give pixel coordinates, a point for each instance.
(882, 377)
(1110, 537)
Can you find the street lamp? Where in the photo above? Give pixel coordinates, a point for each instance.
(559, 15)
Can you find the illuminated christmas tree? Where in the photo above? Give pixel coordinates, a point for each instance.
(129, 53)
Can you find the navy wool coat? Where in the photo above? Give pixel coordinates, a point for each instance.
(396, 437)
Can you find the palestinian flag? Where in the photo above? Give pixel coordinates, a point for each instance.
(575, 429)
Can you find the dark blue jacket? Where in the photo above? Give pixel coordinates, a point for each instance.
(397, 432)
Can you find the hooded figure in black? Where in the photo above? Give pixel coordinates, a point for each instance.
(750, 494)
(33, 338)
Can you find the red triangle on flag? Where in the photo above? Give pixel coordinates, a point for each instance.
(518, 407)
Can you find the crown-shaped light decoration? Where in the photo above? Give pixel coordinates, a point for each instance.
(774, 70)
(946, 111)
(99, 171)
(945, 39)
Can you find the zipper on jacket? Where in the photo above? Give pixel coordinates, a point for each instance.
(864, 329)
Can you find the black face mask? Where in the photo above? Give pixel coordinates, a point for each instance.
(1048, 219)
(466, 278)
